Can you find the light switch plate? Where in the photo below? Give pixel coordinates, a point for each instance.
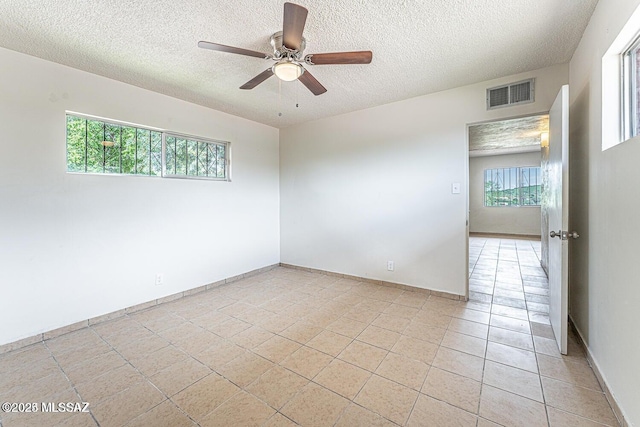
(455, 188)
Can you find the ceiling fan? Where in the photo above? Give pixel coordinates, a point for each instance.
(288, 47)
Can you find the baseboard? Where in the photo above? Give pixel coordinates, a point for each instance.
(603, 383)
(440, 294)
(16, 345)
(506, 236)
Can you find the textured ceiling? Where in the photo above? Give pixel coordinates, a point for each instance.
(517, 135)
(419, 46)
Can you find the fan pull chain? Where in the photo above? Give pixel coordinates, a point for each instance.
(279, 98)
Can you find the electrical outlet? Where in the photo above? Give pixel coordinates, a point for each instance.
(390, 265)
(159, 279)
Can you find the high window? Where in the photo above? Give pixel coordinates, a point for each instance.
(517, 186)
(630, 90)
(188, 157)
(104, 147)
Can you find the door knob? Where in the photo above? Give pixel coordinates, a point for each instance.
(564, 235)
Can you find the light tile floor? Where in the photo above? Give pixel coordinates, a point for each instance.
(289, 347)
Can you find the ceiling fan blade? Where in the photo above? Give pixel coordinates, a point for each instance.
(258, 79)
(360, 57)
(295, 17)
(311, 83)
(231, 49)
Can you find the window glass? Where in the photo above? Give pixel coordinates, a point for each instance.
(95, 146)
(516, 186)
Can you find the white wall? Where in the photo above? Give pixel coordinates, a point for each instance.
(504, 220)
(363, 188)
(77, 246)
(605, 206)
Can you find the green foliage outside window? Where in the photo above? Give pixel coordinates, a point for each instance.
(98, 147)
(189, 157)
(95, 146)
(512, 187)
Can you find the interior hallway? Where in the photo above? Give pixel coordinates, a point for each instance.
(290, 347)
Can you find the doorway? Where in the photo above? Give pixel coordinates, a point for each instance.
(504, 179)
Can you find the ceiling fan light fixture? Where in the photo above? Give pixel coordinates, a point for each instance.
(288, 71)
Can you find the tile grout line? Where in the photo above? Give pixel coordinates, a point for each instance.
(167, 398)
(484, 364)
(544, 399)
(71, 383)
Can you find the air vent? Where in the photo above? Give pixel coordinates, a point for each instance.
(511, 94)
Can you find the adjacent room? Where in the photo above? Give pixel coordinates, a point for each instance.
(319, 214)
(505, 179)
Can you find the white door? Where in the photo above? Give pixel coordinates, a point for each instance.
(558, 217)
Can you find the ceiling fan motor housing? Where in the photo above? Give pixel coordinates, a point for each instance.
(280, 51)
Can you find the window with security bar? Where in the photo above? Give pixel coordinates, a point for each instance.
(516, 186)
(631, 90)
(188, 157)
(104, 147)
